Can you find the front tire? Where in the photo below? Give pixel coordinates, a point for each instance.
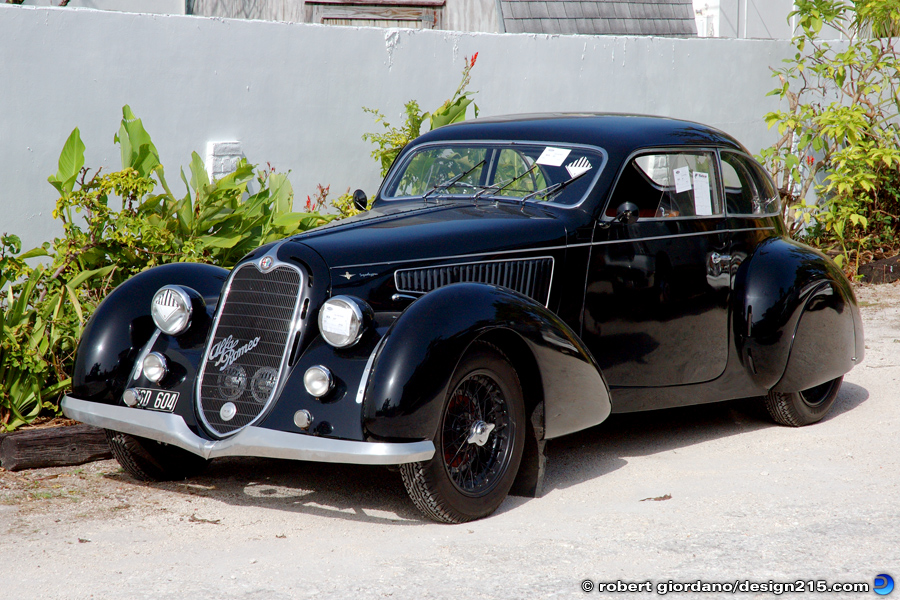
(797, 409)
(149, 460)
(479, 443)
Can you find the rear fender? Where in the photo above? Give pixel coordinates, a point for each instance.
(771, 291)
(419, 354)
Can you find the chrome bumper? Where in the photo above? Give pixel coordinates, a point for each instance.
(252, 441)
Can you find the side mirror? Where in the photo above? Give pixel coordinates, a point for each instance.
(360, 201)
(627, 213)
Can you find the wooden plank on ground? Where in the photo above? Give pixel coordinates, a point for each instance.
(881, 271)
(53, 447)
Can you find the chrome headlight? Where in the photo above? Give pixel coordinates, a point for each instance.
(342, 320)
(171, 309)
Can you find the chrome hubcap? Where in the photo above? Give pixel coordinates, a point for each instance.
(480, 432)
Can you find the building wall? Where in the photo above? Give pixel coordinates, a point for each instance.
(755, 19)
(165, 7)
(292, 94)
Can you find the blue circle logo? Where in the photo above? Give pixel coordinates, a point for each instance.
(884, 584)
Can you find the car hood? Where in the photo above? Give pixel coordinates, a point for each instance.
(409, 232)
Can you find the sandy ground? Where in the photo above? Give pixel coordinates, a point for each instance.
(749, 501)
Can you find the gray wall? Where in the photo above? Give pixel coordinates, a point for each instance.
(292, 93)
(165, 7)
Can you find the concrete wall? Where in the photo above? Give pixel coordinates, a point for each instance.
(292, 93)
(164, 7)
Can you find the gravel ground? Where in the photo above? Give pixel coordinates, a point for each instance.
(714, 493)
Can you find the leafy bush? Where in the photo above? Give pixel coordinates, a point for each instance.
(454, 110)
(840, 135)
(44, 308)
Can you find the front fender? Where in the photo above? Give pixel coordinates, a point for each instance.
(419, 354)
(122, 325)
(773, 288)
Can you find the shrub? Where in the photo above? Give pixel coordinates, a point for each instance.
(45, 308)
(840, 135)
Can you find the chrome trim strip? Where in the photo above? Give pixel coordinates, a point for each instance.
(138, 367)
(296, 326)
(364, 380)
(540, 249)
(250, 441)
(479, 262)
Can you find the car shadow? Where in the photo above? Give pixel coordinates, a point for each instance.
(377, 495)
(599, 450)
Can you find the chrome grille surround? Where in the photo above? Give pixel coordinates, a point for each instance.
(529, 276)
(249, 371)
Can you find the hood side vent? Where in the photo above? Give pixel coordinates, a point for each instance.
(531, 277)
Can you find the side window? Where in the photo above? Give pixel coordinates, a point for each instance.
(669, 185)
(748, 190)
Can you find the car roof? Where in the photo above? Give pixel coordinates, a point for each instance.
(619, 133)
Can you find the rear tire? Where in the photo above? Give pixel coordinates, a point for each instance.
(797, 409)
(472, 472)
(149, 460)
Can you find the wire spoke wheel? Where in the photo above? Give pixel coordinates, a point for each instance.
(478, 445)
(473, 468)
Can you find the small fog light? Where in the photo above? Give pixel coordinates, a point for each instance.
(155, 367)
(129, 397)
(303, 419)
(318, 381)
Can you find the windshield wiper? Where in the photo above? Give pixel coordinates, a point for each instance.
(550, 189)
(447, 184)
(505, 185)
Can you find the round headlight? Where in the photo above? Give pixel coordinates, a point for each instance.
(171, 309)
(318, 381)
(155, 367)
(342, 320)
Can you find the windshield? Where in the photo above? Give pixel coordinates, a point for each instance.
(559, 174)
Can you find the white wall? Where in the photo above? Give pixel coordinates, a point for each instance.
(292, 93)
(164, 7)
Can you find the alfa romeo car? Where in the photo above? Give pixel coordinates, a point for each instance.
(516, 279)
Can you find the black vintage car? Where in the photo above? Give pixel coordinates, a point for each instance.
(516, 279)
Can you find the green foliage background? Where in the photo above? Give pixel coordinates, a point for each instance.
(116, 225)
(840, 134)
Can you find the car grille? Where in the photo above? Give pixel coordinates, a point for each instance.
(530, 277)
(243, 363)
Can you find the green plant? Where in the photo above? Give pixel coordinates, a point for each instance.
(839, 135)
(393, 139)
(45, 307)
(31, 332)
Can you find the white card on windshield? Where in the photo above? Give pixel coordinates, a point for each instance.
(702, 200)
(553, 157)
(682, 179)
(336, 319)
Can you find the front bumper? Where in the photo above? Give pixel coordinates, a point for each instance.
(252, 441)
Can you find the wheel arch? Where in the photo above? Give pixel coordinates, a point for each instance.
(122, 324)
(563, 386)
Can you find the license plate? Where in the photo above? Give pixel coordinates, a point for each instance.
(160, 400)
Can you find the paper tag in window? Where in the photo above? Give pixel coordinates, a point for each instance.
(682, 179)
(336, 319)
(578, 167)
(553, 157)
(702, 200)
